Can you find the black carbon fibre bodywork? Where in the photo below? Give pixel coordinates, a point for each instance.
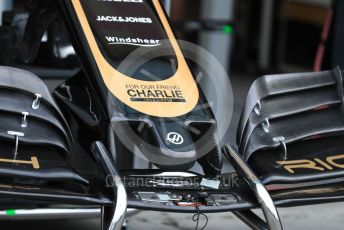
(120, 116)
(291, 130)
(59, 160)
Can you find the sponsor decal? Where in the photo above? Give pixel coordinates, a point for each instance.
(154, 93)
(329, 164)
(34, 162)
(175, 138)
(132, 41)
(124, 19)
(173, 97)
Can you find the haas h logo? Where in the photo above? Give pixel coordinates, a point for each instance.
(175, 138)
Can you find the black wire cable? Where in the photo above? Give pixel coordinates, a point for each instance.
(196, 218)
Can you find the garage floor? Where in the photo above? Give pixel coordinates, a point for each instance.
(319, 217)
